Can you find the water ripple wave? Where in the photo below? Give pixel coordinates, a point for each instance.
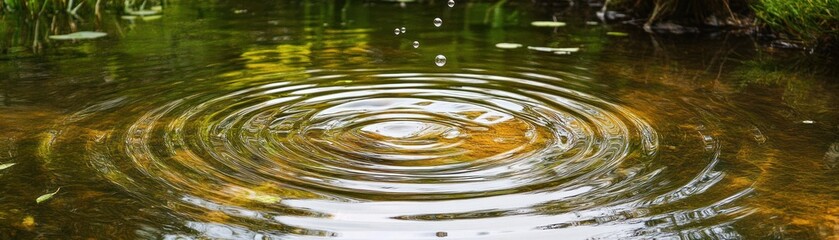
(393, 154)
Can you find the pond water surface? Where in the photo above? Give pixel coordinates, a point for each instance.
(312, 119)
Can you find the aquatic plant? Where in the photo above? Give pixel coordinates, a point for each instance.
(34, 7)
(808, 20)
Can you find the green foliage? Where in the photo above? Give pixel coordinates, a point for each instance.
(805, 19)
(809, 20)
(35, 7)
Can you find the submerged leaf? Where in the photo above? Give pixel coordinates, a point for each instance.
(6, 165)
(79, 35)
(47, 196)
(28, 222)
(617, 34)
(547, 24)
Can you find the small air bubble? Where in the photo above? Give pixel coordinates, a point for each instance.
(438, 22)
(451, 3)
(440, 60)
(402, 29)
(416, 44)
(397, 31)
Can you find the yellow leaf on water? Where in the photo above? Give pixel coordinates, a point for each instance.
(47, 196)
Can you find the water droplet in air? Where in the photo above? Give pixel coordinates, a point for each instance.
(440, 60)
(416, 44)
(438, 22)
(451, 3)
(402, 29)
(396, 31)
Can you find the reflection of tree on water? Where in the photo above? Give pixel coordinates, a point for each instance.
(766, 114)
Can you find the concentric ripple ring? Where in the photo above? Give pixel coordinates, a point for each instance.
(395, 154)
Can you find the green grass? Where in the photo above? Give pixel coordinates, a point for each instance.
(36, 7)
(811, 21)
(808, 20)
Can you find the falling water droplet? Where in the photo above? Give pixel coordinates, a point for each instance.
(402, 29)
(397, 31)
(440, 60)
(416, 44)
(438, 22)
(451, 3)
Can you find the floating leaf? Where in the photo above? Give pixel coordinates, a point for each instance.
(143, 12)
(550, 49)
(128, 17)
(617, 34)
(547, 24)
(541, 49)
(149, 18)
(6, 165)
(79, 35)
(508, 45)
(47, 196)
